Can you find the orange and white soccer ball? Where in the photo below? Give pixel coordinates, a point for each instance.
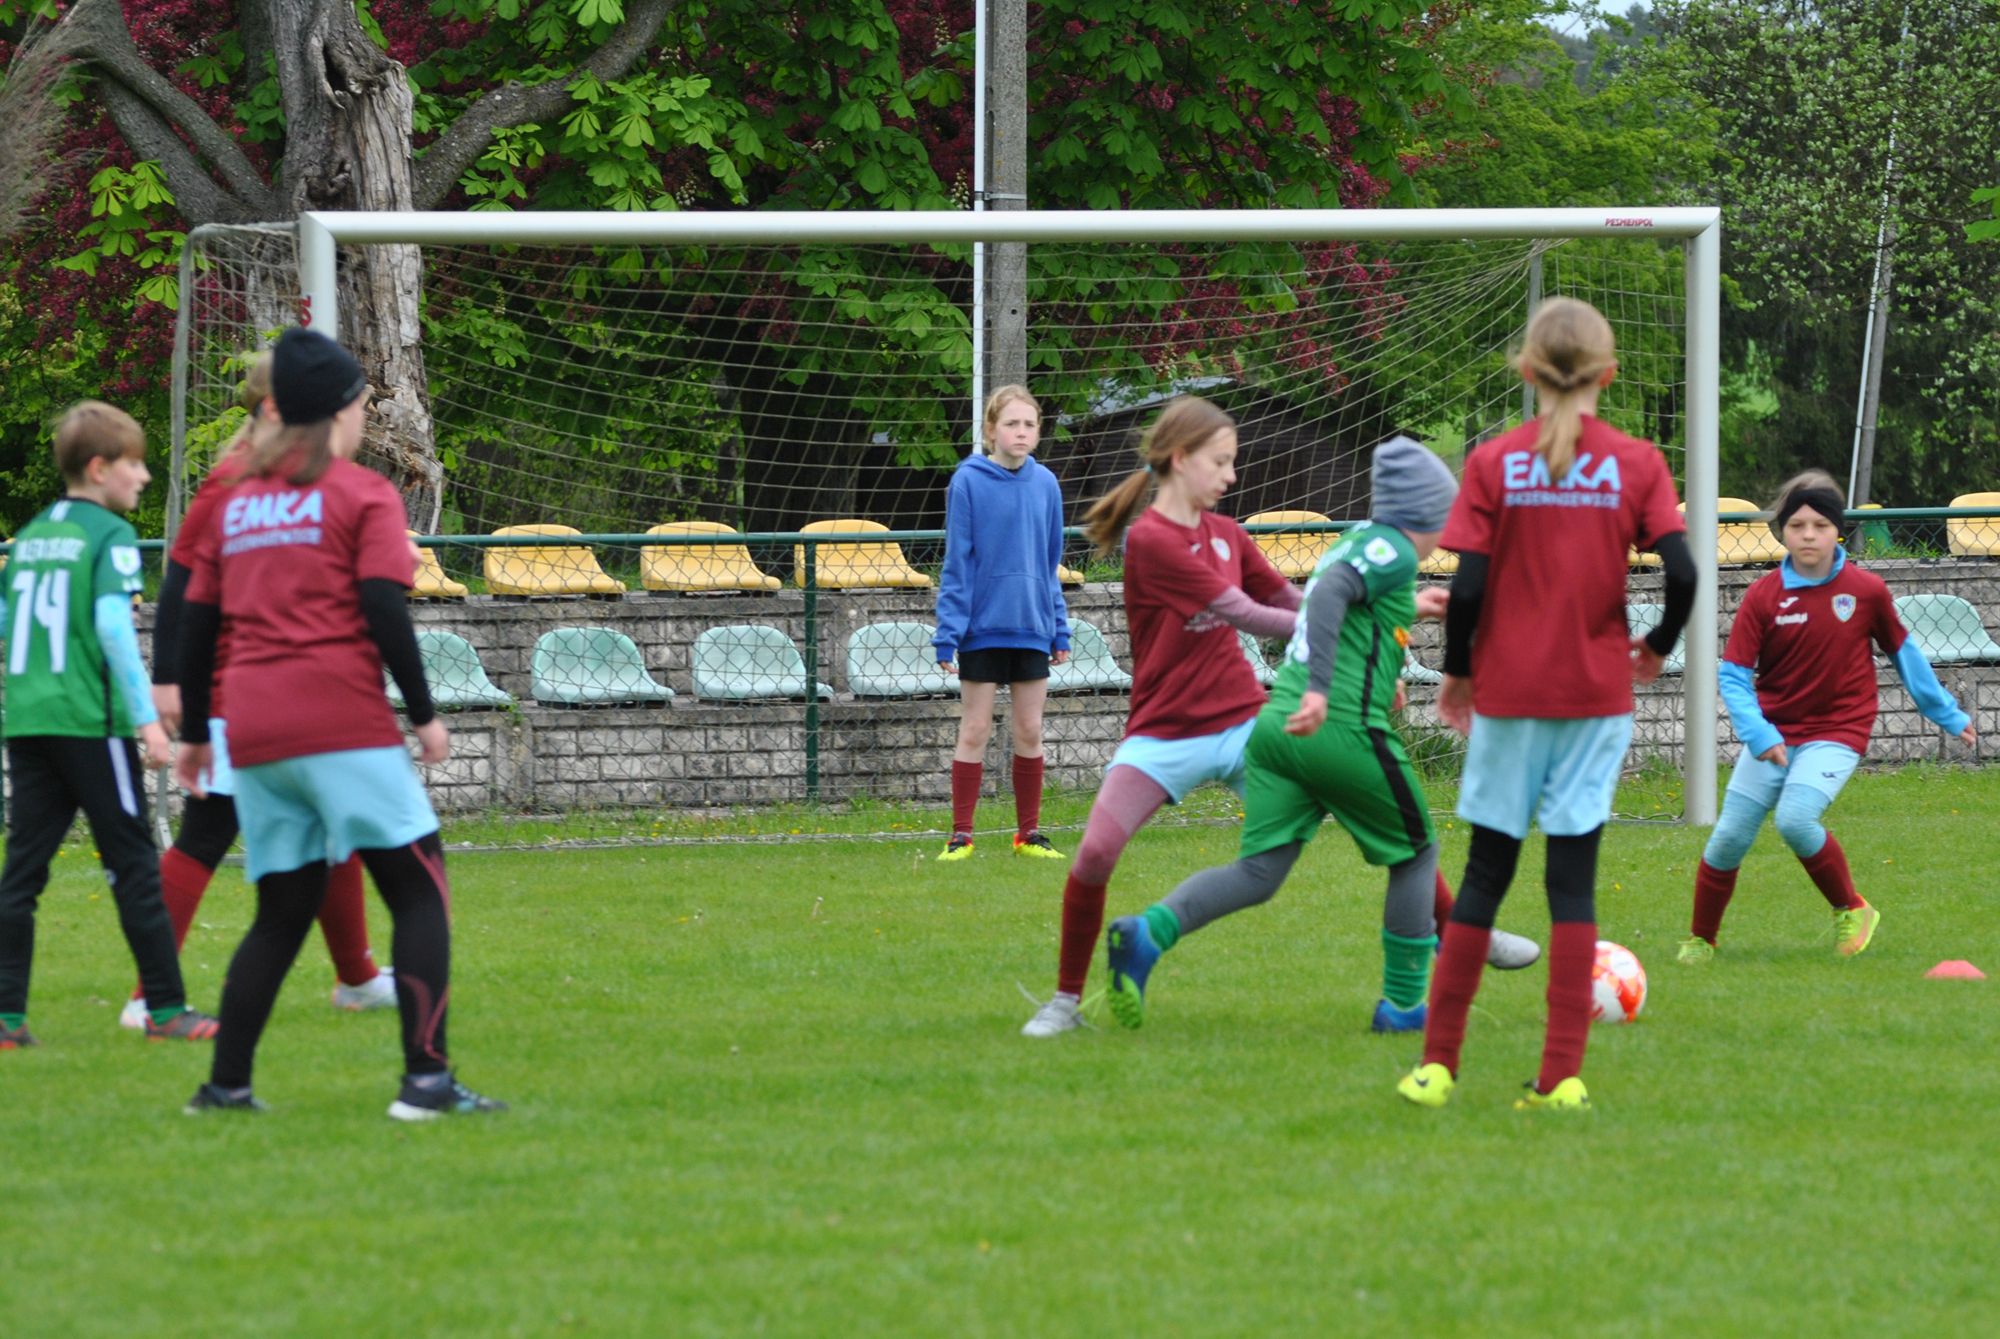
(1617, 984)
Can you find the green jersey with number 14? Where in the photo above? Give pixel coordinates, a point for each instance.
(57, 680)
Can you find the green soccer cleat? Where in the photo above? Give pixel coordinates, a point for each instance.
(1569, 1095)
(1854, 929)
(1427, 1085)
(1695, 952)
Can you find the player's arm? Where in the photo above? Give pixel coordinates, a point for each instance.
(386, 610)
(1933, 699)
(1259, 620)
(112, 617)
(954, 597)
(1059, 607)
(1678, 576)
(166, 645)
(1461, 615)
(1325, 610)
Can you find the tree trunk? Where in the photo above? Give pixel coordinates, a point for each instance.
(347, 146)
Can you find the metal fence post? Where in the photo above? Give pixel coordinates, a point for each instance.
(812, 669)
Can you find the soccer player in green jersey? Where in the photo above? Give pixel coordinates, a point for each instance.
(1324, 745)
(77, 691)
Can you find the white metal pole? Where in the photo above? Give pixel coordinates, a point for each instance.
(979, 9)
(1704, 485)
(319, 307)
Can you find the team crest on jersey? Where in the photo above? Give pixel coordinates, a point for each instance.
(1221, 547)
(1843, 607)
(126, 559)
(1380, 552)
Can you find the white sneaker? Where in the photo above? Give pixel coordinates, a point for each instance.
(378, 992)
(1510, 952)
(1059, 1015)
(134, 1015)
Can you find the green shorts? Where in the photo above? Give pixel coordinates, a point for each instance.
(1360, 776)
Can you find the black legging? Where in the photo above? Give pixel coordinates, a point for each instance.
(412, 883)
(208, 827)
(1571, 877)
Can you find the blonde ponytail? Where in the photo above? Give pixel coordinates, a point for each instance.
(1106, 521)
(1566, 352)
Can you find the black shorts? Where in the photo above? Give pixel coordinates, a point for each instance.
(1002, 664)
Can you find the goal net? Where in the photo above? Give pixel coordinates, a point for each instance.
(618, 374)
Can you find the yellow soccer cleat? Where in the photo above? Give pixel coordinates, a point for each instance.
(1037, 846)
(1695, 952)
(1854, 929)
(1427, 1085)
(1569, 1095)
(958, 848)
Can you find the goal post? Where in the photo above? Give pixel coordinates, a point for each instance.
(1233, 239)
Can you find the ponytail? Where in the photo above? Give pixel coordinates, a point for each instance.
(1567, 350)
(300, 452)
(1183, 426)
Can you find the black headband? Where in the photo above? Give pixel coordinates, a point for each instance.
(1825, 501)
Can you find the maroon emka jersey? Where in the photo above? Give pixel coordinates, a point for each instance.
(285, 562)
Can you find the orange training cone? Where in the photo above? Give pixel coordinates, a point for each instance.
(1955, 969)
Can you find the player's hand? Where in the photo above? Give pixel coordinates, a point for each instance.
(1969, 736)
(1432, 600)
(1310, 716)
(192, 767)
(167, 705)
(433, 742)
(1647, 664)
(1776, 756)
(1058, 657)
(154, 749)
(951, 666)
(1402, 697)
(1454, 703)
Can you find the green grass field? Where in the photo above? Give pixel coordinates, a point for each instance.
(779, 1090)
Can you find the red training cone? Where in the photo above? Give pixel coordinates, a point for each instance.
(1955, 969)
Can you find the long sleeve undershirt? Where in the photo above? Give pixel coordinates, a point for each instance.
(1239, 610)
(112, 615)
(1336, 589)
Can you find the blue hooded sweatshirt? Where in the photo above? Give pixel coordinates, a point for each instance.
(1003, 542)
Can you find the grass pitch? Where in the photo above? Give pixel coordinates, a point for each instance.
(780, 1090)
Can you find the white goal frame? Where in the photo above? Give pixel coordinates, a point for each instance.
(320, 233)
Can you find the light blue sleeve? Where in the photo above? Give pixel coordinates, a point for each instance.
(954, 600)
(1739, 694)
(1933, 699)
(120, 640)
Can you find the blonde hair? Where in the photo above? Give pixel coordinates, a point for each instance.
(93, 430)
(251, 392)
(1183, 426)
(998, 401)
(299, 451)
(1568, 347)
(1804, 479)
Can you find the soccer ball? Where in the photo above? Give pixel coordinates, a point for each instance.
(1617, 984)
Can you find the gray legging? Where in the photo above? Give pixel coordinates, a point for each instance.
(1407, 909)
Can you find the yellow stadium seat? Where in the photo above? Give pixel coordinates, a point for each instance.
(1743, 543)
(558, 569)
(1975, 536)
(431, 582)
(1068, 576)
(1295, 556)
(1441, 563)
(845, 566)
(700, 567)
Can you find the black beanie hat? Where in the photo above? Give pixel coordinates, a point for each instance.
(313, 378)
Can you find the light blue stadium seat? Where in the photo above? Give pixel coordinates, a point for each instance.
(1947, 629)
(1254, 653)
(748, 660)
(1090, 667)
(587, 667)
(457, 680)
(895, 660)
(1643, 618)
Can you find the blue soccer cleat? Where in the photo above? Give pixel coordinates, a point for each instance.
(1131, 952)
(1388, 1018)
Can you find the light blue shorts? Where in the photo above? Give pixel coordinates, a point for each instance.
(1817, 764)
(1560, 774)
(327, 806)
(221, 776)
(1179, 765)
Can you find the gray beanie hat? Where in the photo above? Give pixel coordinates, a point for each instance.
(1413, 488)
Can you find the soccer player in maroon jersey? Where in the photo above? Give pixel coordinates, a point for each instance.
(1539, 669)
(310, 563)
(1798, 678)
(208, 823)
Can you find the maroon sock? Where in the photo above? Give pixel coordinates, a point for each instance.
(1027, 794)
(1454, 981)
(1712, 890)
(1082, 921)
(1830, 875)
(1441, 906)
(183, 880)
(1572, 951)
(965, 779)
(343, 921)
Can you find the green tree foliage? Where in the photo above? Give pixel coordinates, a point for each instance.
(1834, 118)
